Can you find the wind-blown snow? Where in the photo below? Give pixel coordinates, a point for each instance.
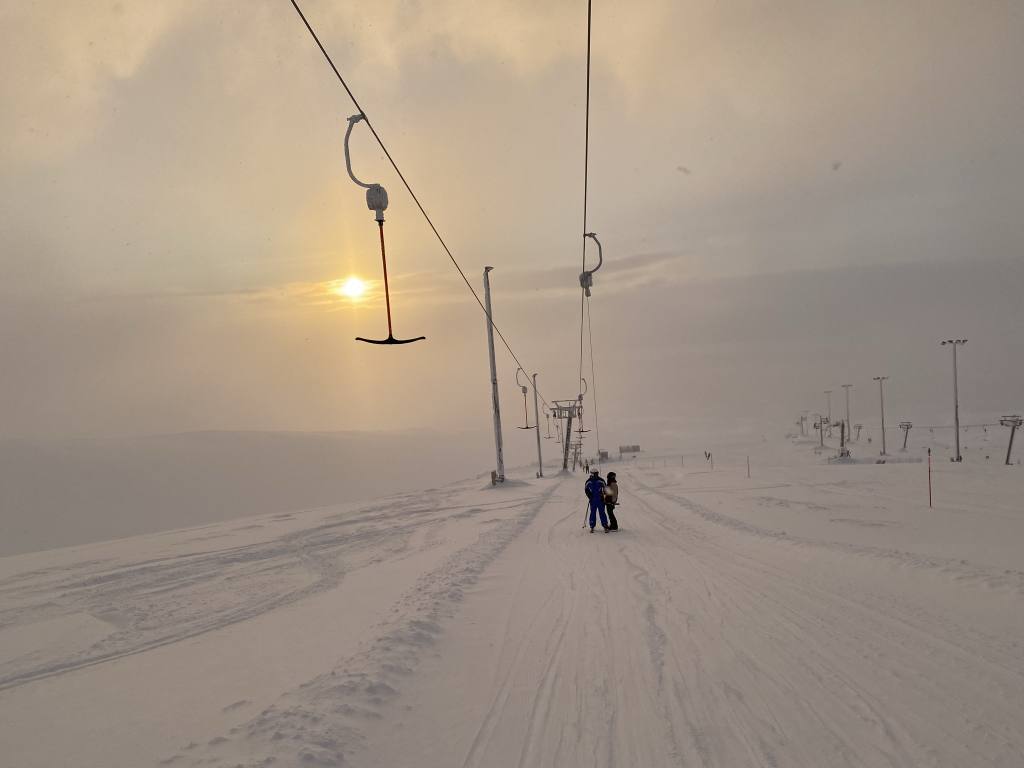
(812, 615)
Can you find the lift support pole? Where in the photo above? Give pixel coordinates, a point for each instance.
(494, 378)
(536, 422)
(568, 437)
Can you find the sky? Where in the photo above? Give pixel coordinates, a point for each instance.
(790, 195)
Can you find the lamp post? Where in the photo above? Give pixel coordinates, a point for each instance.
(849, 424)
(881, 397)
(828, 400)
(956, 396)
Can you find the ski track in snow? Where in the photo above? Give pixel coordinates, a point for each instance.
(693, 637)
(320, 723)
(690, 638)
(157, 602)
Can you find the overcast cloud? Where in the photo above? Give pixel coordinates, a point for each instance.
(790, 195)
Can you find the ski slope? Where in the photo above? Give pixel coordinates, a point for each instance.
(810, 615)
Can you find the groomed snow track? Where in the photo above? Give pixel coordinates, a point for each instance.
(502, 634)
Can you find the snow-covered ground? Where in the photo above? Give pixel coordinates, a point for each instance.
(811, 615)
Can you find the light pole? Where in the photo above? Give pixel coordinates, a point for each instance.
(881, 397)
(956, 396)
(828, 400)
(848, 423)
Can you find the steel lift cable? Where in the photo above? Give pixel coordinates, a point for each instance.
(586, 168)
(406, 184)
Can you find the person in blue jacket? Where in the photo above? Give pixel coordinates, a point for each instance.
(594, 489)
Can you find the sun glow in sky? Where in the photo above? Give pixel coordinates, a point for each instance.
(353, 288)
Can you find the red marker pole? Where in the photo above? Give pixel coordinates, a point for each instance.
(929, 478)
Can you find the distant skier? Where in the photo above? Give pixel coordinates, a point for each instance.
(594, 489)
(611, 498)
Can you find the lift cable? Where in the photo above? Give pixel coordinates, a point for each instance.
(587, 276)
(586, 137)
(408, 188)
(586, 175)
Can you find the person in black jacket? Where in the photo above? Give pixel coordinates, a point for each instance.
(611, 498)
(594, 489)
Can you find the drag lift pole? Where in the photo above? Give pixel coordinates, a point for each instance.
(376, 201)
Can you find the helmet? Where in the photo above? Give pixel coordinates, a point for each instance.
(595, 472)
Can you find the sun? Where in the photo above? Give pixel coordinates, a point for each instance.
(353, 288)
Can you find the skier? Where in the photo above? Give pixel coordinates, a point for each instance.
(594, 489)
(611, 498)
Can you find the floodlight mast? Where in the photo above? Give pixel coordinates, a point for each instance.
(956, 395)
(881, 397)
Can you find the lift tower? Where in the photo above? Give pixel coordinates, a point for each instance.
(565, 410)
